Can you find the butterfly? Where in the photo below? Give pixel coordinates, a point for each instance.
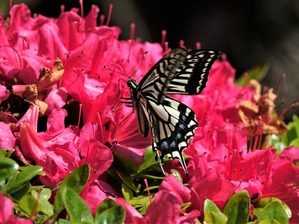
(172, 123)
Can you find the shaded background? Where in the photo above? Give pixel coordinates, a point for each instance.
(251, 33)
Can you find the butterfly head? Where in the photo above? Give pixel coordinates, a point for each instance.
(132, 84)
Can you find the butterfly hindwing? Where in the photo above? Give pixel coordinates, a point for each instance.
(172, 132)
(172, 123)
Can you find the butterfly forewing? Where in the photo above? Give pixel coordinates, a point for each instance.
(172, 123)
(191, 77)
(162, 73)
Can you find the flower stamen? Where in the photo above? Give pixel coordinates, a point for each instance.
(109, 14)
(163, 37)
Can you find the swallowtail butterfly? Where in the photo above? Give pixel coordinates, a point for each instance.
(171, 123)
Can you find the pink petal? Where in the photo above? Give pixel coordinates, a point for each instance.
(4, 93)
(164, 209)
(56, 99)
(97, 155)
(291, 153)
(94, 193)
(6, 212)
(6, 207)
(173, 185)
(7, 140)
(55, 120)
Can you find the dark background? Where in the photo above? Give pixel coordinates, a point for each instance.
(250, 33)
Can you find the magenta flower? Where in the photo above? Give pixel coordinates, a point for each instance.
(6, 212)
(54, 151)
(7, 140)
(158, 212)
(282, 181)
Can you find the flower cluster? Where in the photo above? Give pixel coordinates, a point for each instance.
(62, 81)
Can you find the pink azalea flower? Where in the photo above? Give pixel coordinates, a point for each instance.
(165, 208)
(6, 212)
(19, 58)
(129, 141)
(55, 150)
(95, 192)
(173, 185)
(291, 153)
(7, 140)
(97, 155)
(4, 93)
(282, 183)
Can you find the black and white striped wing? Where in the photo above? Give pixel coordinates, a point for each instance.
(172, 125)
(191, 76)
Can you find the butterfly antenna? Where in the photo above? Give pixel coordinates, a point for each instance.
(143, 56)
(114, 71)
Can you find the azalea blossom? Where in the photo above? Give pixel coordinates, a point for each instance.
(6, 212)
(165, 208)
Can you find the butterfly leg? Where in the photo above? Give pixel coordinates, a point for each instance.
(120, 99)
(159, 159)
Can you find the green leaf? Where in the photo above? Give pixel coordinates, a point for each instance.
(114, 215)
(274, 210)
(184, 206)
(125, 164)
(292, 135)
(107, 203)
(257, 73)
(262, 203)
(75, 181)
(42, 219)
(126, 179)
(76, 207)
(63, 221)
(7, 168)
(109, 212)
(177, 175)
(29, 205)
(295, 143)
(122, 169)
(5, 153)
(212, 214)
(43, 199)
(19, 192)
(140, 203)
(149, 159)
(19, 179)
(269, 221)
(127, 192)
(275, 141)
(237, 208)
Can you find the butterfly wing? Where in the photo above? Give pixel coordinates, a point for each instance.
(173, 125)
(161, 74)
(191, 76)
